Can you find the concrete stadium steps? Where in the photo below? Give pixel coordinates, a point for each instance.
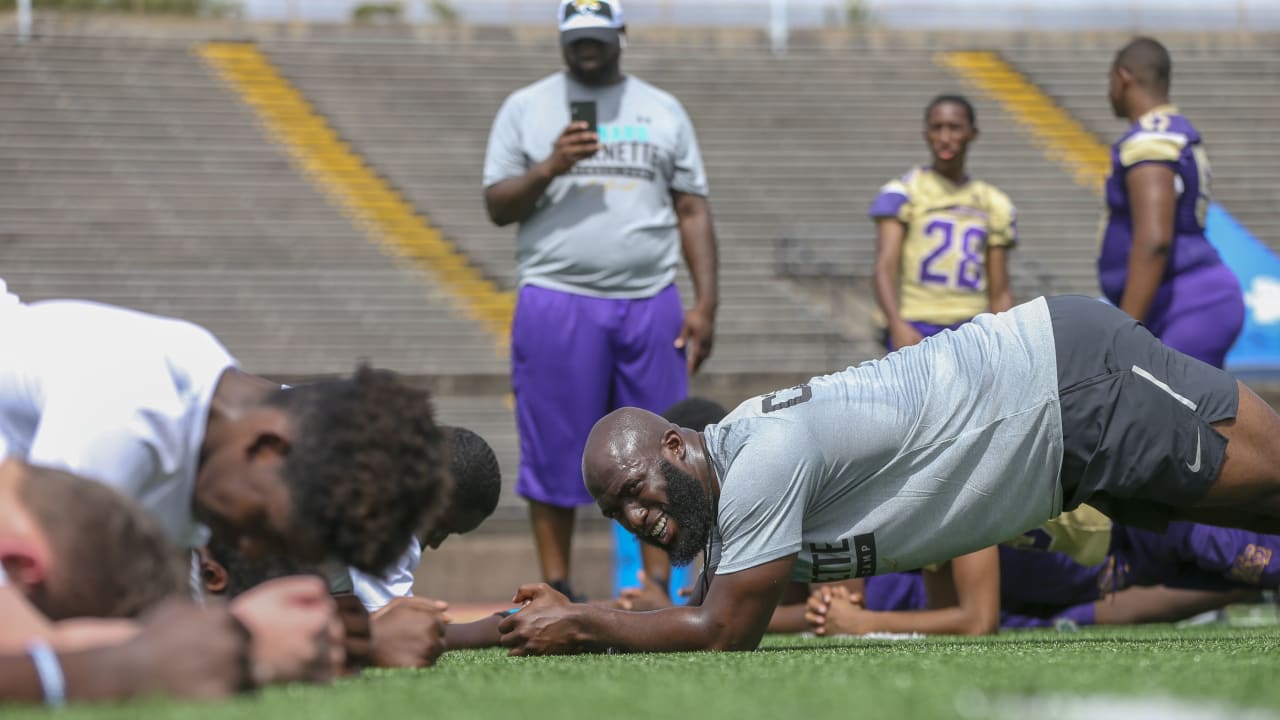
(129, 174)
(1231, 95)
(432, 149)
(790, 144)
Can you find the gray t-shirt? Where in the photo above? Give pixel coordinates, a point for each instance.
(607, 228)
(937, 450)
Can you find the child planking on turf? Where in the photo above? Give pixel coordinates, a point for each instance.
(407, 631)
(935, 451)
(57, 597)
(45, 516)
(477, 485)
(156, 408)
(1143, 577)
(64, 604)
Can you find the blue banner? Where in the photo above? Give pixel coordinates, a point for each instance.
(1257, 351)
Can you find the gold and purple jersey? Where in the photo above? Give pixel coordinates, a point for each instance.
(1165, 137)
(944, 253)
(1083, 534)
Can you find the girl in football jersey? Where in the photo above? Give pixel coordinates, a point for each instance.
(942, 238)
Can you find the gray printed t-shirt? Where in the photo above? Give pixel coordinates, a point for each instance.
(607, 228)
(937, 450)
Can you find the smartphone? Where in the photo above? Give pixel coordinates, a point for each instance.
(583, 111)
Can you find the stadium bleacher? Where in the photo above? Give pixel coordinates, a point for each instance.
(795, 148)
(129, 175)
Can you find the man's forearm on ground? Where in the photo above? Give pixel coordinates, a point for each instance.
(99, 674)
(668, 630)
(482, 633)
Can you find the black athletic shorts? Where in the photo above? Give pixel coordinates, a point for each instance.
(1137, 440)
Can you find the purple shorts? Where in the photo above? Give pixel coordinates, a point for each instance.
(1199, 313)
(576, 358)
(925, 329)
(895, 591)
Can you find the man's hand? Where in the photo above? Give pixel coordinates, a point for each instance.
(651, 595)
(547, 624)
(903, 334)
(185, 650)
(833, 610)
(697, 335)
(357, 637)
(409, 632)
(297, 634)
(576, 143)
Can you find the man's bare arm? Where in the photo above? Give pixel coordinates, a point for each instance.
(514, 199)
(1161, 604)
(698, 241)
(999, 293)
(481, 633)
(733, 616)
(181, 650)
(1152, 201)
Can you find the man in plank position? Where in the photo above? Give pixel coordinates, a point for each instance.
(157, 409)
(932, 452)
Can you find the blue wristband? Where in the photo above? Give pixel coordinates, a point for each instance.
(49, 670)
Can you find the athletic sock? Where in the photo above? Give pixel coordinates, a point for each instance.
(564, 588)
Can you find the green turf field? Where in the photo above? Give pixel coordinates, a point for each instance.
(1019, 675)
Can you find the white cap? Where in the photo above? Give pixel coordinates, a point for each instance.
(590, 19)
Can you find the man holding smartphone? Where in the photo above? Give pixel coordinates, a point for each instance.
(602, 173)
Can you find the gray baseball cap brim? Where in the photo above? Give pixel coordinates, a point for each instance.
(608, 36)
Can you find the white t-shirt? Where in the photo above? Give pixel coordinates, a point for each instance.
(932, 452)
(113, 395)
(375, 592)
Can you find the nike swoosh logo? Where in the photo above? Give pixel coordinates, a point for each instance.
(1195, 466)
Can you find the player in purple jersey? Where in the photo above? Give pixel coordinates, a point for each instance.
(1146, 577)
(1155, 262)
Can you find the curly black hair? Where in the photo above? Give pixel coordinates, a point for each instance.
(476, 476)
(367, 465)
